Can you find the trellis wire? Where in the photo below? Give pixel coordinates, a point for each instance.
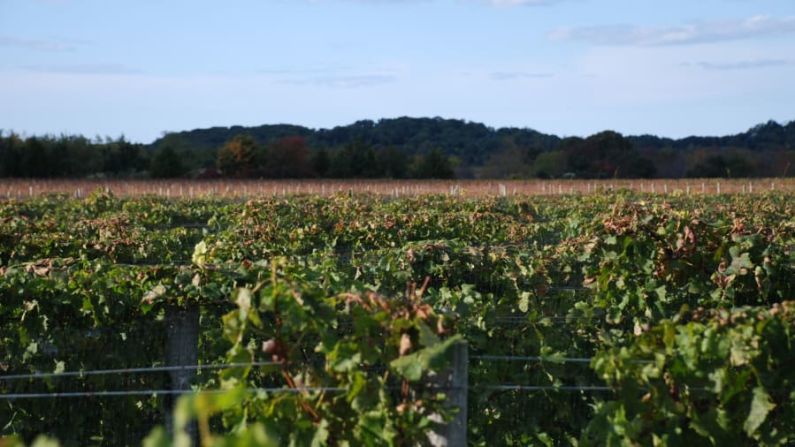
(123, 393)
(518, 358)
(138, 370)
(544, 388)
(162, 392)
(155, 393)
(152, 369)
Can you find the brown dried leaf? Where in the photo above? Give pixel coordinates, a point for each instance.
(424, 311)
(405, 344)
(440, 329)
(40, 268)
(269, 346)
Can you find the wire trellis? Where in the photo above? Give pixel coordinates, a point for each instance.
(160, 392)
(519, 358)
(139, 370)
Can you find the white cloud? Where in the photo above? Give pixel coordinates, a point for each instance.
(693, 33)
(498, 3)
(513, 75)
(343, 81)
(83, 69)
(47, 45)
(745, 64)
(522, 2)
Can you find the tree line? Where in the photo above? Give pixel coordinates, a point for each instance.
(401, 148)
(291, 157)
(69, 156)
(241, 157)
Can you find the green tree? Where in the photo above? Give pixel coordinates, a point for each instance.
(321, 162)
(362, 160)
(356, 160)
(392, 162)
(10, 155)
(167, 163)
(720, 166)
(434, 165)
(604, 155)
(551, 164)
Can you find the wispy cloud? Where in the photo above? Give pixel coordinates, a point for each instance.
(513, 75)
(743, 65)
(332, 76)
(499, 3)
(48, 45)
(523, 2)
(693, 33)
(83, 69)
(343, 81)
(300, 71)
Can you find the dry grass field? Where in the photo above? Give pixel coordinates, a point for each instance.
(21, 188)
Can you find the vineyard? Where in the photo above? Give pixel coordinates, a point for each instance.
(610, 317)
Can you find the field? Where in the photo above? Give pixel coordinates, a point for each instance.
(364, 313)
(22, 188)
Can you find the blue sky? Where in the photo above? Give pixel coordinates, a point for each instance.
(571, 67)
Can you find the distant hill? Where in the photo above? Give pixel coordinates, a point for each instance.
(767, 136)
(471, 142)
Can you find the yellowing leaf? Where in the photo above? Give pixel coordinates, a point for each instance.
(200, 254)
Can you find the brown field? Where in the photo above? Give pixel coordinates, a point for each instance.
(21, 188)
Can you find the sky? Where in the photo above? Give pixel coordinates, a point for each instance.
(569, 67)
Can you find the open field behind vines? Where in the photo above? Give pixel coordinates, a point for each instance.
(192, 189)
(610, 318)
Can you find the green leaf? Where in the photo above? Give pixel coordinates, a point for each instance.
(157, 438)
(321, 434)
(740, 263)
(43, 441)
(427, 337)
(413, 366)
(409, 366)
(761, 405)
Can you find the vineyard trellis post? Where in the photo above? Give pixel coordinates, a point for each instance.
(455, 380)
(182, 348)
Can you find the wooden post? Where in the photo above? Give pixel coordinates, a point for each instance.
(182, 349)
(456, 382)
